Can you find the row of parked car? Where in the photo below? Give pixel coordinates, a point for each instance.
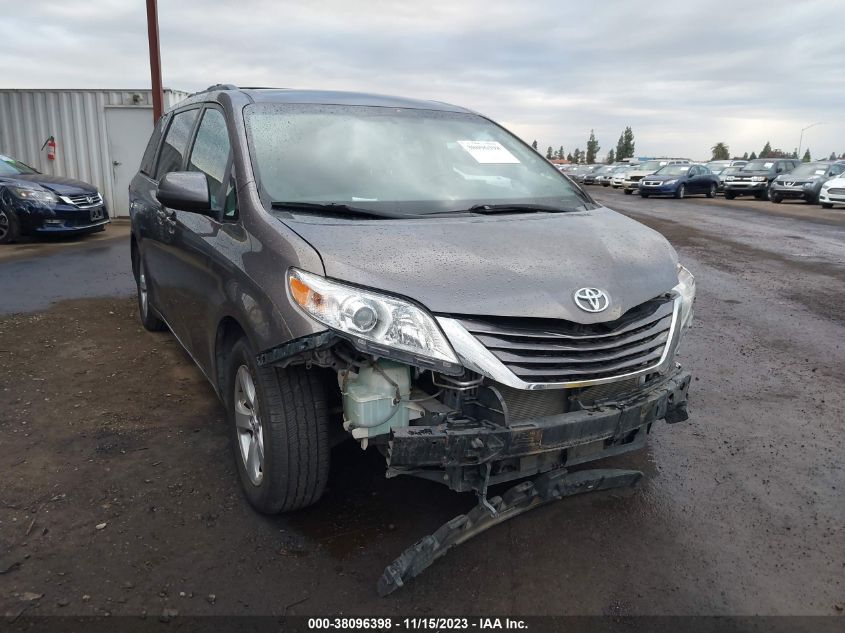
(775, 179)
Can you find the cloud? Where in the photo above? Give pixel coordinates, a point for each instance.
(683, 75)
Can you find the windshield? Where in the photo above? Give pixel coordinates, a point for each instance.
(810, 169)
(12, 167)
(673, 170)
(651, 165)
(759, 165)
(407, 161)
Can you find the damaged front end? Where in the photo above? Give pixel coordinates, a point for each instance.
(472, 401)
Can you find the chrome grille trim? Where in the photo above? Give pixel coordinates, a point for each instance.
(649, 349)
(81, 201)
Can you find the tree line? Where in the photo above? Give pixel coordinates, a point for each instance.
(720, 151)
(624, 149)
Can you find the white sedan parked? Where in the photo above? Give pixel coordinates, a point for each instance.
(833, 192)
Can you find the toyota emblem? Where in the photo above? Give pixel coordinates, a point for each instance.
(591, 299)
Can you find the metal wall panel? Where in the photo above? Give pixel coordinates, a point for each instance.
(77, 120)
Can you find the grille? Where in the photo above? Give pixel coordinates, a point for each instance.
(652, 183)
(635, 178)
(837, 191)
(82, 202)
(526, 404)
(550, 350)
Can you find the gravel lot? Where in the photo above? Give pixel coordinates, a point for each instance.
(119, 493)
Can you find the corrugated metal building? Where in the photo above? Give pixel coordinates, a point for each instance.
(100, 134)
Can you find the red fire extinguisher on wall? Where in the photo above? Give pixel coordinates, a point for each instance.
(50, 144)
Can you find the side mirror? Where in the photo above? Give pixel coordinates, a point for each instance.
(186, 191)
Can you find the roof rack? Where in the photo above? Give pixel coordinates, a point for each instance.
(215, 87)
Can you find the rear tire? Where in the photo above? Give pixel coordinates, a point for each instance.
(10, 230)
(711, 192)
(729, 195)
(149, 317)
(285, 422)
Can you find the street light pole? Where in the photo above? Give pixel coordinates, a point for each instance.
(155, 59)
(801, 138)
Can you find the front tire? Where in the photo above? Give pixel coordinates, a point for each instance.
(729, 195)
(278, 425)
(9, 228)
(644, 195)
(776, 198)
(827, 205)
(628, 192)
(680, 192)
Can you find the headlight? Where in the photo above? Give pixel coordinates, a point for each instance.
(686, 291)
(375, 322)
(33, 195)
(670, 182)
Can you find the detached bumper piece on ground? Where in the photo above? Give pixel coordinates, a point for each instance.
(519, 499)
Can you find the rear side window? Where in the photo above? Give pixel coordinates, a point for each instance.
(210, 154)
(176, 142)
(148, 160)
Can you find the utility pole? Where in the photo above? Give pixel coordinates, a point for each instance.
(801, 138)
(155, 59)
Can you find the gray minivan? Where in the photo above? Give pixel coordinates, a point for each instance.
(405, 273)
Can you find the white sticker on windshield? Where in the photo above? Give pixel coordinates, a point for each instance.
(820, 172)
(767, 165)
(488, 152)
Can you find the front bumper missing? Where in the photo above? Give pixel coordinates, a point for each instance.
(606, 424)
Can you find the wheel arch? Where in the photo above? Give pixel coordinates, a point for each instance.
(229, 331)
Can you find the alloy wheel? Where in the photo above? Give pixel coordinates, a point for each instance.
(248, 426)
(143, 295)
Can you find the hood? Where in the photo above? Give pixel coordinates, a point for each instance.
(505, 265)
(664, 177)
(57, 184)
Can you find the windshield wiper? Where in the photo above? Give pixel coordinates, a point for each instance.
(520, 208)
(333, 207)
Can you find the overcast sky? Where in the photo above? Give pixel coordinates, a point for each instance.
(683, 75)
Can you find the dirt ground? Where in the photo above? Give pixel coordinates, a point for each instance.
(119, 494)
